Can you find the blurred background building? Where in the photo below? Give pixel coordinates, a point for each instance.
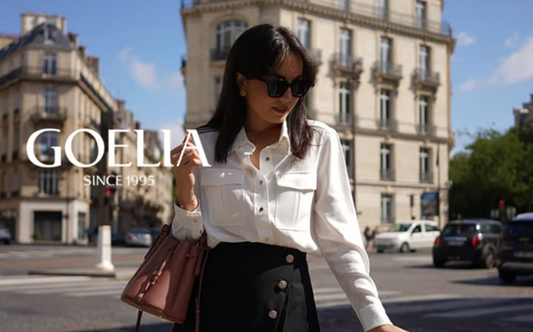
(383, 83)
(47, 80)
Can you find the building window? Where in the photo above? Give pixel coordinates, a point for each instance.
(50, 64)
(48, 140)
(386, 208)
(347, 148)
(386, 163)
(424, 114)
(304, 32)
(16, 101)
(344, 103)
(93, 150)
(385, 54)
(342, 4)
(15, 183)
(382, 9)
(227, 32)
(218, 88)
(424, 61)
(424, 165)
(345, 44)
(420, 14)
(81, 226)
(6, 105)
(16, 140)
(50, 101)
(385, 109)
(48, 181)
(4, 145)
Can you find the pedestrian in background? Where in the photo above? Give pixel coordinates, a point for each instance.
(368, 238)
(276, 190)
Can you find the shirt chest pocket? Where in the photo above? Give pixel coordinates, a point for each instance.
(223, 191)
(294, 200)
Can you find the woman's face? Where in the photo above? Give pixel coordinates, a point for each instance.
(263, 110)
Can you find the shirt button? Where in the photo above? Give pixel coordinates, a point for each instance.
(261, 209)
(267, 158)
(267, 239)
(273, 314)
(289, 258)
(195, 220)
(261, 182)
(282, 284)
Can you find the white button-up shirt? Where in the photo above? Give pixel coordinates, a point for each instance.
(304, 204)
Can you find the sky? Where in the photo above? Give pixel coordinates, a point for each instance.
(141, 44)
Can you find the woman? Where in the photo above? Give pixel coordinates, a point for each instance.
(277, 189)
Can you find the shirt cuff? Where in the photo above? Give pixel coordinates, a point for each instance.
(372, 316)
(191, 220)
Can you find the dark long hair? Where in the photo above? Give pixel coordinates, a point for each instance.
(258, 51)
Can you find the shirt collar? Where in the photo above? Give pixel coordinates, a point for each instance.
(243, 144)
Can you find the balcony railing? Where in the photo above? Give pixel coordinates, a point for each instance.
(426, 177)
(347, 63)
(388, 70)
(387, 124)
(37, 72)
(356, 7)
(427, 77)
(426, 129)
(316, 54)
(218, 54)
(386, 174)
(49, 113)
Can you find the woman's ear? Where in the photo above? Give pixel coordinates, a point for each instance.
(241, 81)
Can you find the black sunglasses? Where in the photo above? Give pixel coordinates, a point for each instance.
(277, 87)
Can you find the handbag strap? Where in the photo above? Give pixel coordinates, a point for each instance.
(138, 324)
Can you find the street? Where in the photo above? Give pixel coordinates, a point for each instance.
(417, 296)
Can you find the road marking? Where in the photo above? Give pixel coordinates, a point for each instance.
(20, 281)
(421, 298)
(481, 312)
(106, 292)
(76, 289)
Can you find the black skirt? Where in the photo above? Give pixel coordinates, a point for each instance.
(254, 287)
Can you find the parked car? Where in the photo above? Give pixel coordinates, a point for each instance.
(515, 256)
(5, 235)
(139, 237)
(474, 240)
(407, 236)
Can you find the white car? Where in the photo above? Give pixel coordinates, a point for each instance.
(5, 235)
(406, 236)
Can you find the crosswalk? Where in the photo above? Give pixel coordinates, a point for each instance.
(434, 306)
(54, 253)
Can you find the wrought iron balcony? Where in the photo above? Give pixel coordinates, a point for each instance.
(38, 72)
(387, 70)
(344, 119)
(387, 174)
(387, 124)
(426, 129)
(49, 114)
(218, 54)
(427, 78)
(426, 177)
(347, 64)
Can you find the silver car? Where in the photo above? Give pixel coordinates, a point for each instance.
(5, 235)
(139, 237)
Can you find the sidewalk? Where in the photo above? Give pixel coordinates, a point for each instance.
(121, 273)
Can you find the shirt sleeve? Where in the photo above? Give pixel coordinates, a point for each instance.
(188, 225)
(336, 228)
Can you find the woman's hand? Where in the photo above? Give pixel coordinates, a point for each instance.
(387, 328)
(184, 174)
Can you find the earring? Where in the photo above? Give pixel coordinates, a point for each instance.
(242, 92)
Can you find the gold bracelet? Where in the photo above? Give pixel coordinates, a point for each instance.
(182, 205)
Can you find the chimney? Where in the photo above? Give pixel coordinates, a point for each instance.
(94, 64)
(137, 125)
(73, 39)
(83, 51)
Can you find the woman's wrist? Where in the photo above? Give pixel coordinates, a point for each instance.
(188, 205)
